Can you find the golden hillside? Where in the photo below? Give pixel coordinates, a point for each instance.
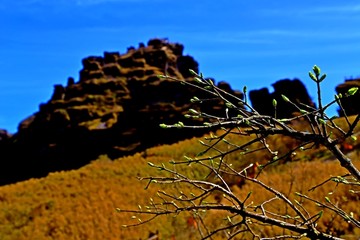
(81, 204)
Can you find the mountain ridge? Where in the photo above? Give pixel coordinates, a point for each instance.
(115, 108)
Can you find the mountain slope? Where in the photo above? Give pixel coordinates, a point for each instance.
(80, 204)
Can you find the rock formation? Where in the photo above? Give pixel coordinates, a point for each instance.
(350, 104)
(295, 90)
(115, 108)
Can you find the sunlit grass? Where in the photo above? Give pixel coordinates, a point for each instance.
(82, 204)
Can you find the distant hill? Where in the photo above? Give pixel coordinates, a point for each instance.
(115, 108)
(81, 204)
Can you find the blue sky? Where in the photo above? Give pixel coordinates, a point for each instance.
(244, 42)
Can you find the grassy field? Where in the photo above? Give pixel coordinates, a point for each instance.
(81, 204)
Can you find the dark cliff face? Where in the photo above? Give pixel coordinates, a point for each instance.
(295, 90)
(115, 108)
(351, 104)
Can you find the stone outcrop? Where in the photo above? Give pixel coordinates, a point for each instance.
(350, 104)
(115, 108)
(295, 90)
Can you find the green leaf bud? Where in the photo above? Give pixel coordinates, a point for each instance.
(193, 111)
(312, 76)
(193, 72)
(161, 76)
(352, 91)
(199, 80)
(316, 70)
(322, 121)
(180, 124)
(353, 138)
(162, 125)
(195, 99)
(244, 89)
(286, 99)
(322, 77)
(303, 111)
(274, 102)
(229, 105)
(188, 158)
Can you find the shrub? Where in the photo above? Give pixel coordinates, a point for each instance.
(248, 173)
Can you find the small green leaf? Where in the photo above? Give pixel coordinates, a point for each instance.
(303, 111)
(162, 125)
(322, 77)
(352, 91)
(327, 199)
(322, 121)
(188, 158)
(181, 124)
(193, 111)
(245, 89)
(274, 102)
(312, 76)
(286, 99)
(316, 70)
(193, 72)
(353, 138)
(199, 80)
(229, 105)
(161, 76)
(195, 99)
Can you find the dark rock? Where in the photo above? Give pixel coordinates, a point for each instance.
(350, 104)
(59, 92)
(4, 135)
(70, 81)
(115, 109)
(184, 63)
(261, 101)
(111, 57)
(295, 90)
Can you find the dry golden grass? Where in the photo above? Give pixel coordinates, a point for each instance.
(82, 204)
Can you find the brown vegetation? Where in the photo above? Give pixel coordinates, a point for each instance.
(82, 204)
